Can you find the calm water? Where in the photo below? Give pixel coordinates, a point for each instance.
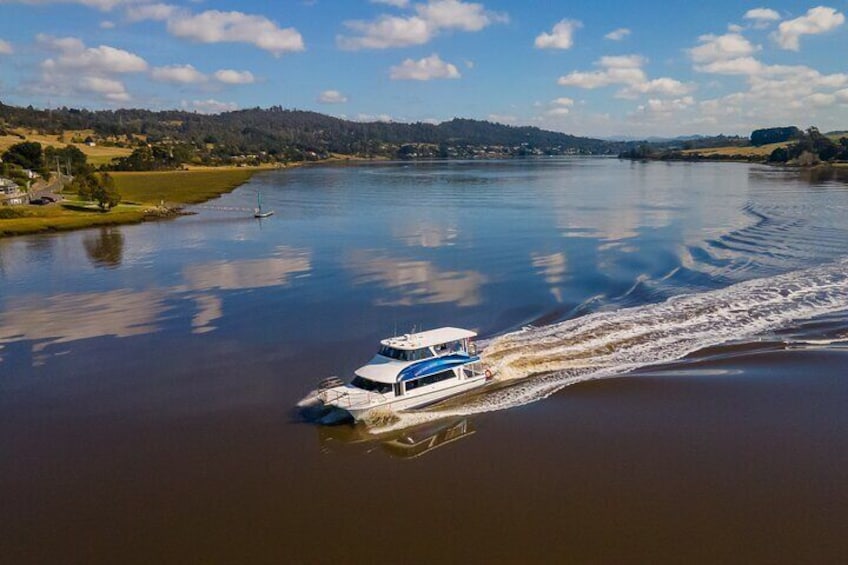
(678, 392)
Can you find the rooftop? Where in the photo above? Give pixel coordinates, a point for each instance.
(427, 338)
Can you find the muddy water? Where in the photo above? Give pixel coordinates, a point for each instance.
(677, 393)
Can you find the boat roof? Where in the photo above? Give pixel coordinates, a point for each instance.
(427, 338)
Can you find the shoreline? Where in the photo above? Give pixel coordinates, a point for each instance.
(147, 196)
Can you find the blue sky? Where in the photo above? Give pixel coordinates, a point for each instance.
(597, 68)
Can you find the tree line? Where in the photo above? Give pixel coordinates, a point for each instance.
(277, 134)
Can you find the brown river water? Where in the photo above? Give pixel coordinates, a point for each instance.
(671, 342)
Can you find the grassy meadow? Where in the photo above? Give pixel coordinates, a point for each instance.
(97, 155)
(141, 195)
(749, 151)
(70, 216)
(179, 187)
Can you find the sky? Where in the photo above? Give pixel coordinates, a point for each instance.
(597, 68)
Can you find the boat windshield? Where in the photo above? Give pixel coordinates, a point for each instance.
(405, 354)
(371, 386)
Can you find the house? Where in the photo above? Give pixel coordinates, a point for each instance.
(10, 193)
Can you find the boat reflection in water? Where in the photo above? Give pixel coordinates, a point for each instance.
(406, 444)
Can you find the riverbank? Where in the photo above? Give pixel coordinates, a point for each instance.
(145, 196)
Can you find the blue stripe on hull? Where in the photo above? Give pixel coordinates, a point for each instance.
(436, 365)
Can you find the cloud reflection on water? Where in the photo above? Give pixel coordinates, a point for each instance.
(248, 273)
(125, 312)
(417, 282)
(426, 235)
(203, 278)
(552, 267)
(68, 317)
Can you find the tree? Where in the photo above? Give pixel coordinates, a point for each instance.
(69, 156)
(774, 135)
(779, 155)
(27, 155)
(105, 192)
(100, 188)
(84, 186)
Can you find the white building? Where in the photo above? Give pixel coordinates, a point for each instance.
(10, 193)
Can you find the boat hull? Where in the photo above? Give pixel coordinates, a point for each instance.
(418, 400)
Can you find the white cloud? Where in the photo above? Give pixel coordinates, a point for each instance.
(385, 32)
(332, 97)
(74, 55)
(738, 66)
(428, 68)
(820, 99)
(230, 76)
(395, 3)
(107, 24)
(658, 106)
(762, 14)
(817, 20)
(419, 27)
(210, 106)
(178, 74)
(450, 14)
(625, 70)
(622, 61)
(79, 70)
(6, 48)
(618, 69)
(721, 48)
(559, 107)
(156, 12)
(617, 34)
(104, 5)
(111, 89)
(659, 86)
(215, 26)
(561, 36)
(778, 93)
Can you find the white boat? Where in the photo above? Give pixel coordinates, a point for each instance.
(258, 212)
(409, 371)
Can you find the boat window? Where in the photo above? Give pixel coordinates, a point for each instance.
(371, 386)
(449, 347)
(404, 354)
(429, 379)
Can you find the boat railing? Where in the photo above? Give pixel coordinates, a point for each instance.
(347, 398)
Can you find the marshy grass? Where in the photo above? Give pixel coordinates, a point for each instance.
(75, 216)
(141, 195)
(179, 187)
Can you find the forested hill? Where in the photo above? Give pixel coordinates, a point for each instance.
(293, 134)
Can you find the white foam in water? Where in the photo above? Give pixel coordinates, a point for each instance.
(546, 359)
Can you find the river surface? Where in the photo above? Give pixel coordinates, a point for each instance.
(672, 337)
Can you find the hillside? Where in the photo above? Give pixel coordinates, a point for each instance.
(277, 134)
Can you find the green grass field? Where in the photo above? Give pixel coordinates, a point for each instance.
(60, 218)
(140, 192)
(179, 187)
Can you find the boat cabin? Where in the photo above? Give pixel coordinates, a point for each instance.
(408, 371)
(411, 361)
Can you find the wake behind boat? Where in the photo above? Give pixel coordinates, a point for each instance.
(409, 371)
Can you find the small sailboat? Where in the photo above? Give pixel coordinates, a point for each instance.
(258, 212)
